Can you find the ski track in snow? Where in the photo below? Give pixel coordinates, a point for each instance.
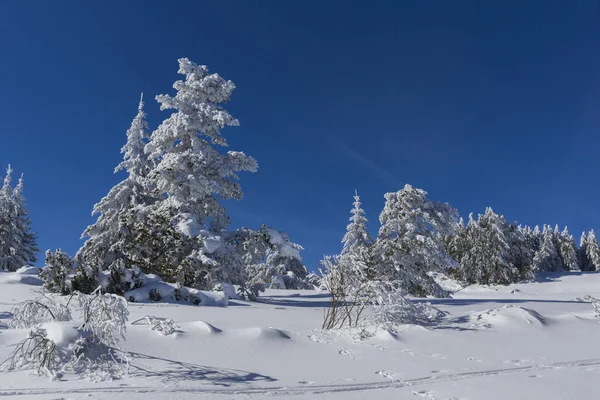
(312, 389)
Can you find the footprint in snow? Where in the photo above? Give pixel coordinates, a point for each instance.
(406, 351)
(386, 374)
(306, 382)
(315, 338)
(472, 359)
(347, 353)
(439, 356)
(425, 394)
(516, 362)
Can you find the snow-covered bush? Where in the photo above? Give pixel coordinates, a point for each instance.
(104, 315)
(594, 301)
(57, 272)
(350, 294)
(370, 305)
(392, 309)
(87, 346)
(31, 313)
(37, 351)
(164, 326)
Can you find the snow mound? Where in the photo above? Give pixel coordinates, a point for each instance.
(28, 270)
(62, 333)
(385, 336)
(446, 283)
(267, 334)
(205, 327)
(154, 286)
(507, 316)
(24, 278)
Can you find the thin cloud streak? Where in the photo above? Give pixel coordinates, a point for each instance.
(381, 173)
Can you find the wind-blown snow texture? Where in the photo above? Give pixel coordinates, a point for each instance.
(523, 341)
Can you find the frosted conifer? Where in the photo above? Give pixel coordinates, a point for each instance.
(547, 258)
(409, 244)
(568, 251)
(592, 252)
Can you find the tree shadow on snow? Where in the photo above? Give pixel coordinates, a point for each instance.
(543, 277)
(323, 295)
(297, 300)
(466, 302)
(182, 371)
(5, 315)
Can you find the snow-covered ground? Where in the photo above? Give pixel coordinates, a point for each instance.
(524, 341)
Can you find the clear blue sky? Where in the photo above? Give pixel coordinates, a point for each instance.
(481, 103)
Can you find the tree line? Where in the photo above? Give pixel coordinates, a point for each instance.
(166, 218)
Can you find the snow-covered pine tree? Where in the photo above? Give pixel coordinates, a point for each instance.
(467, 269)
(357, 242)
(17, 241)
(26, 254)
(8, 237)
(409, 244)
(582, 252)
(135, 160)
(592, 252)
(269, 259)
(459, 244)
(568, 251)
(547, 258)
(532, 238)
(353, 268)
(57, 272)
(110, 243)
(521, 255)
(285, 260)
(489, 260)
(190, 173)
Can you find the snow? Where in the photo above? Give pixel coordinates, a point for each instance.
(211, 242)
(167, 293)
(24, 275)
(189, 226)
(531, 340)
(286, 248)
(28, 270)
(62, 333)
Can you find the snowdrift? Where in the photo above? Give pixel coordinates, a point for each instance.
(24, 275)
(508, 316)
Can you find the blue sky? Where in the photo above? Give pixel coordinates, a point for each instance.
(479, 103)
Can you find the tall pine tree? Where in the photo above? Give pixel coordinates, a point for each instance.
(592, 252)
(568, 251)
(358, 242)
(191, 175)
(110, 245)
(17, 241)
(547, 258)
